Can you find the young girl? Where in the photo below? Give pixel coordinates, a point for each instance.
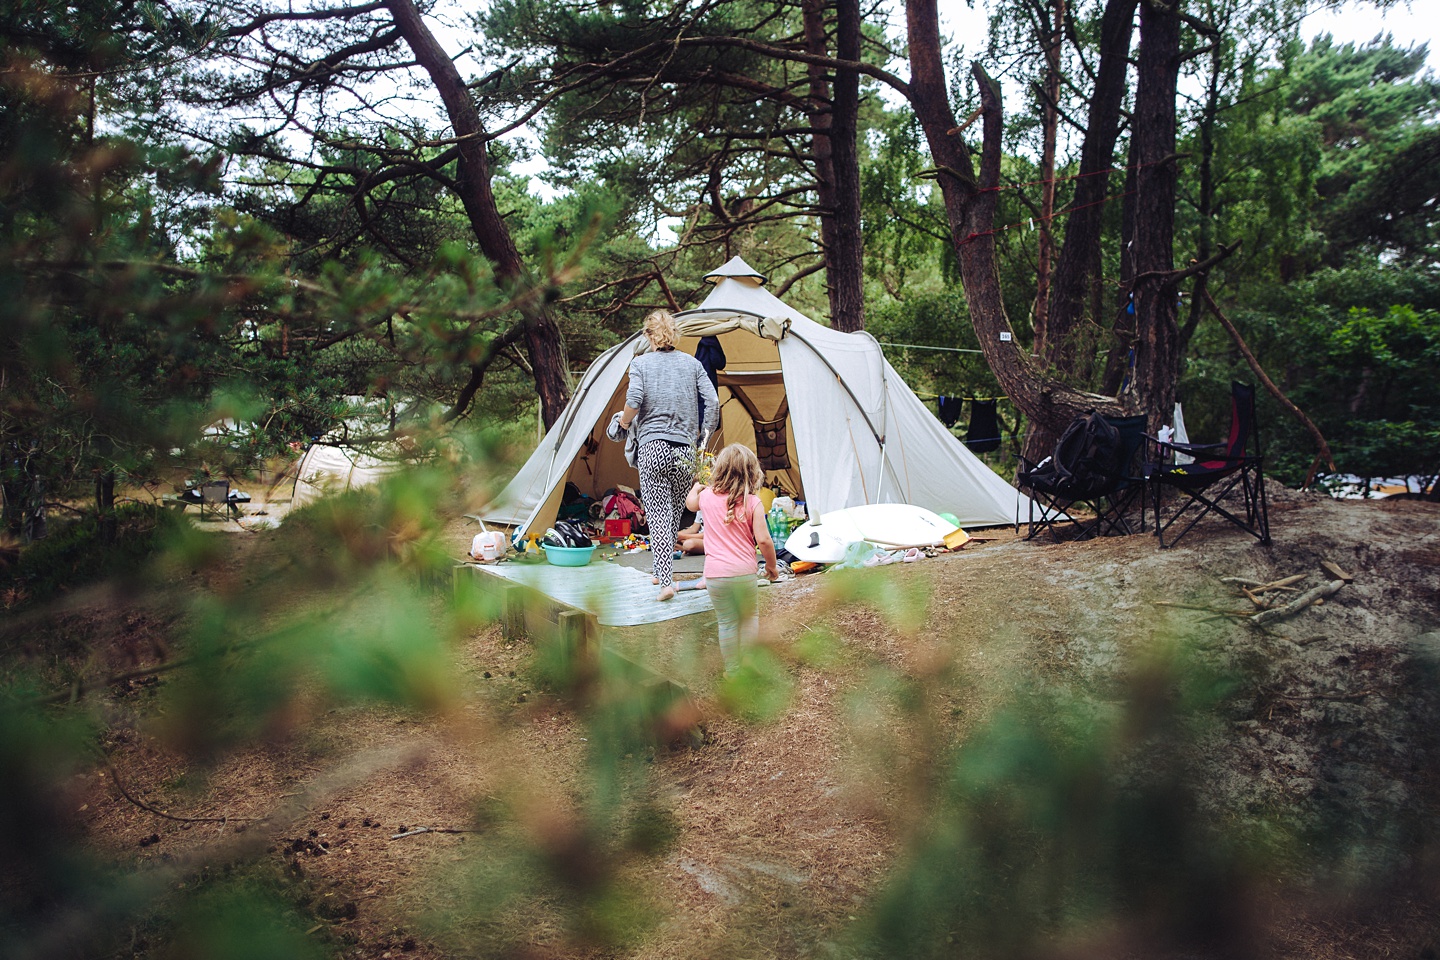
(734, 527)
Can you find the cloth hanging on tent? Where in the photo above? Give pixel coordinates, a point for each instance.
(712, 357)
(983, 435)
(950, 409)
(625, 435)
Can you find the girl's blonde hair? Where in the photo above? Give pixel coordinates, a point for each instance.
(661, 329)
(735, 475)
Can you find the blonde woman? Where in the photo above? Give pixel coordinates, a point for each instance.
(662, 404)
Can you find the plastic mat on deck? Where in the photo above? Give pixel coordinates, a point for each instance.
(617, 595)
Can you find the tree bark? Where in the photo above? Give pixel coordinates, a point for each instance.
(1205, 207)
(1122, 331)
(847, 268)
(970, 208)
(1153, 288)
(1080, 256)
(1076, 279)
(542, 337)
(837, 160)
(1049, 124)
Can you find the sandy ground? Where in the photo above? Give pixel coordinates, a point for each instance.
(780, 830)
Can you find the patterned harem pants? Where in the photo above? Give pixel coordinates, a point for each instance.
(664, 481)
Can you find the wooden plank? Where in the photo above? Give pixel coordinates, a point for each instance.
(512, 612)
(578, 632)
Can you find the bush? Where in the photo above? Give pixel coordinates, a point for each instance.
(85, 551)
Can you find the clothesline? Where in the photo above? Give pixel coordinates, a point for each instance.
(967, 398)
(921, 346)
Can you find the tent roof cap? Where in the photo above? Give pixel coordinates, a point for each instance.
(737, 268)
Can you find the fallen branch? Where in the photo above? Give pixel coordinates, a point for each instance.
(1260, 586)
(1275, 391)
(1299, 603)
(1282, 584)
(115, 779)
(419, 830)
(1335, 571)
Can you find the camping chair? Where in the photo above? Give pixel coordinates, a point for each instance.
(1218, 471)
(1110, 496)
(215, 495)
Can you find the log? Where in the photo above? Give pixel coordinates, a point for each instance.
(1299, 603)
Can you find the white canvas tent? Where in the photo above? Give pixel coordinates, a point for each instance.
(326, 469)
(854, 432)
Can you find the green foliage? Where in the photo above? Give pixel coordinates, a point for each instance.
(38, 754)
(1058, 818)
(150, 287)
(1372, 381)
(760, 688)
(85, 551)
(242, 918)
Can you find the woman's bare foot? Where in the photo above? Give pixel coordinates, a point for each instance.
(667, 594)
(655, 580)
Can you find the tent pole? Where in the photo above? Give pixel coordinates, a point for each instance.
(577, 400)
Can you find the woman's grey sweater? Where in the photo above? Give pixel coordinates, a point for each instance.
(666, 387)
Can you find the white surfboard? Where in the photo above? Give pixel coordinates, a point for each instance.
(888, 525)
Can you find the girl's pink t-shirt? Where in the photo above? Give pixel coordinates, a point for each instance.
(729, 547)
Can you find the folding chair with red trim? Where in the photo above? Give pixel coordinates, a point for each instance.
(1220, 473)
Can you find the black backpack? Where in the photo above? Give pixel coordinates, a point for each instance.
(1087, 457)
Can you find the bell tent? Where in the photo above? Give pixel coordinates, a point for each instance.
(831, 420)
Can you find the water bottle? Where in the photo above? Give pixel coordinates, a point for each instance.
(775, 520)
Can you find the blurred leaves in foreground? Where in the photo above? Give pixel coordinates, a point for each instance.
(1030, 817)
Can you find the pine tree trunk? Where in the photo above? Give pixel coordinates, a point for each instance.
(1157, 334)
(1079, 261)
(1076, 278)
(837, 160)
(1049, 124)
(1205, 208)
(846, 266)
